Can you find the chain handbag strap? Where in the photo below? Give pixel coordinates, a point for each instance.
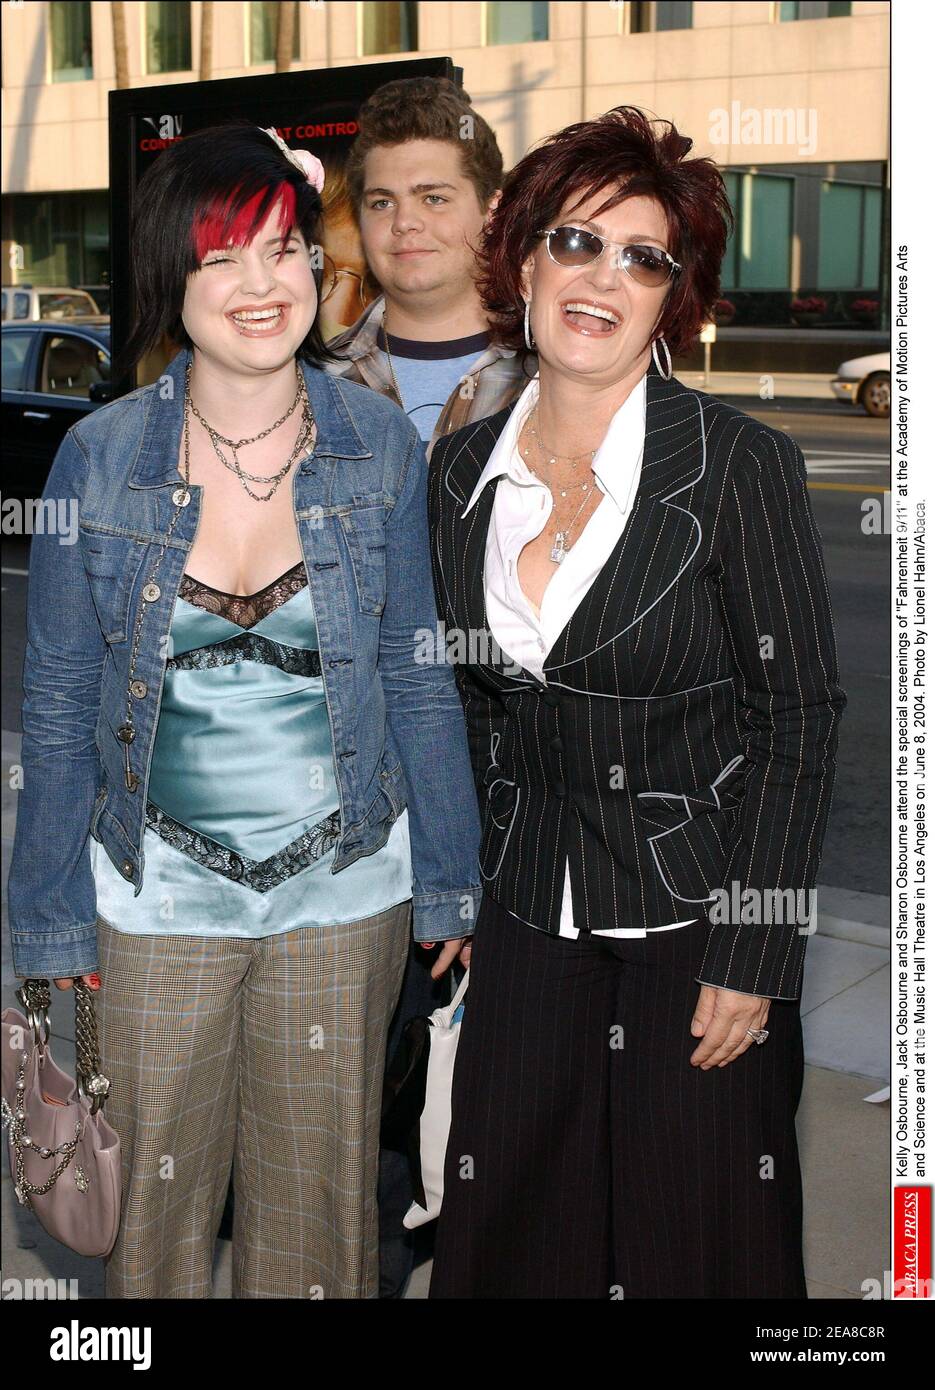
(36, 999)
(91, 1080)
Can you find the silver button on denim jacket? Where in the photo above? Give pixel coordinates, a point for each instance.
(397, 721)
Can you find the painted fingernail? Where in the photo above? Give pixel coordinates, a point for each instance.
(94, 980)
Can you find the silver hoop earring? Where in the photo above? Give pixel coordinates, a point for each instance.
(667, 374)
(527, 333)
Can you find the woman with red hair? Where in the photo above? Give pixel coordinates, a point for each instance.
(653, 731)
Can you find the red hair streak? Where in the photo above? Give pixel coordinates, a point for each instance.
(229, 223)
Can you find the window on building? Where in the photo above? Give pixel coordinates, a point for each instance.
(517, 23)
(64, 237)
(168, 36)
(759, 254)
(94, 262)
(660, 15)
(70, 25)
(389, 28)
(263, 20)
(814, 9)
(849, 236)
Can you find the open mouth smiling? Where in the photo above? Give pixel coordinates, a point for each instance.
(588, 317)
(260, 322)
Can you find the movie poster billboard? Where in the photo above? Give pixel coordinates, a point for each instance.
(315, 109)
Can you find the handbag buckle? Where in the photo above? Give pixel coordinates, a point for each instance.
(36, 999)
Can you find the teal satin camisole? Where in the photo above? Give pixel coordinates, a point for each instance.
(243, 810)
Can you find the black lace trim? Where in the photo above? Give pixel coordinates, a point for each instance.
(260, 875)
(249, 646)
(245, 610)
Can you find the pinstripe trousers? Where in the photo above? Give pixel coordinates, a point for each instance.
(268, 1052)
(587, 1158)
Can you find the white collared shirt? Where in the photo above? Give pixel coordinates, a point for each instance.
(521, 510)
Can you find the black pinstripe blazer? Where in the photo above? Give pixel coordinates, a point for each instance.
(684, 739)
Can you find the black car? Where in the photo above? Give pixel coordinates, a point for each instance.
(53, 374)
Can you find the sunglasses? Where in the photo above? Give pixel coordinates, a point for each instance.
(574, 246)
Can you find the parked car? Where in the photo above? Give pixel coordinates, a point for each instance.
(865, 381)
(28, 302)
(101, 296)
(53, 374)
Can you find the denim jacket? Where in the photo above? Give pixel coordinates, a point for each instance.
(397, 723)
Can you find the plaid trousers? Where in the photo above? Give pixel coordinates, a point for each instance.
(266, 1051)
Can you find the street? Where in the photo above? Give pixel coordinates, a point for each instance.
(847, 455)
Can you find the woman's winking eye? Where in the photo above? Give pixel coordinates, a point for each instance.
(216, 259)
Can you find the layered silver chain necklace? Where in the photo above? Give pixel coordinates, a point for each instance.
(181, 497)
(560, 547)
(273, 480)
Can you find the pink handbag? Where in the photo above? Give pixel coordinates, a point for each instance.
(64, 1156)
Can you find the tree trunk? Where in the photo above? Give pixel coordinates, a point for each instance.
(285, 20)
(121, 60)
(207, 40)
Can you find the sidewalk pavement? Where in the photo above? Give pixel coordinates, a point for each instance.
(844, 1138)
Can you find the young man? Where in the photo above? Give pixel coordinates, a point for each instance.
(423, 174)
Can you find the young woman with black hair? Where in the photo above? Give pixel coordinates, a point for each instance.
(237, 773)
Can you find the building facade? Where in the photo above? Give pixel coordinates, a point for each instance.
(791, 99)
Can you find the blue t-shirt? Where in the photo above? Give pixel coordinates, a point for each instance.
(427, 373)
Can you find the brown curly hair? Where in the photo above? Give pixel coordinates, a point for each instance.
(426, 108)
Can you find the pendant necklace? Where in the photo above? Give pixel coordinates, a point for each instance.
(560, 548)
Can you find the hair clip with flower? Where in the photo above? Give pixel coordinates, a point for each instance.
(309, 164)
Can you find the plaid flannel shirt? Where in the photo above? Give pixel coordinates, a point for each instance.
(495, 380)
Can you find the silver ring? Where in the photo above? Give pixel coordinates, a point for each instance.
(759, 1035)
